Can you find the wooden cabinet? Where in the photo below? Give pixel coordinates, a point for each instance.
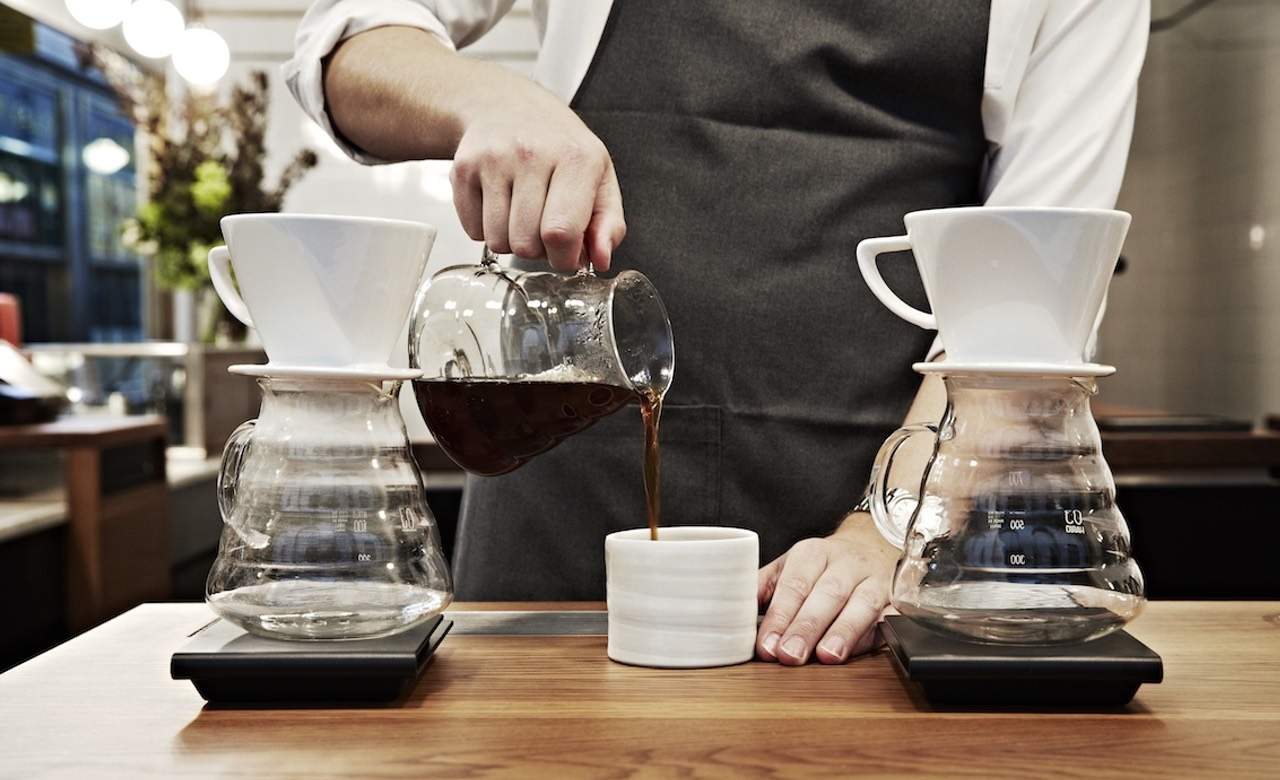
(117, 533)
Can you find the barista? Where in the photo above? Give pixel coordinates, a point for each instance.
(755, 144)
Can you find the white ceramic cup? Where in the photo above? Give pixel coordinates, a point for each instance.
(1007, 285)
(322, 291)
(687, 600)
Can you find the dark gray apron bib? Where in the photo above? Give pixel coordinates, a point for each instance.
(756, 144)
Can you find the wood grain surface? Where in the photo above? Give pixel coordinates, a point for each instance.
(103, 706)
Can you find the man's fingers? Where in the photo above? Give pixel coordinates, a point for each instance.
(768, 579)
(528, 193)
(853, 631)
(608, 226)
(570, 200)
(496, 209)
(828, 597)
(467, 198)
(805, 563)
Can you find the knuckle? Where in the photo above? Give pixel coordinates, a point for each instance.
(462, 171)
(574, 153)
(835, 588)
(491, 156)
(807, 626)
(498, 244)
(526, 247)
(524, 151)
(868, 600)
(795, 586)
(558, 235)
(808, 546)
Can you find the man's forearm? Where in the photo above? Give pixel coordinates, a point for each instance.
(399, 94)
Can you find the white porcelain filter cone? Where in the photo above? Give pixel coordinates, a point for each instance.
(1007, 285)
(322, 291)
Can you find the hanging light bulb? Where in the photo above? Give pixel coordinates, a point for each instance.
(201, 57)
(98, 14)
(152, 27)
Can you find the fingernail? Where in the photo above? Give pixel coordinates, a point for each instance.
(833, 646)
(770, 643)
(795, 648)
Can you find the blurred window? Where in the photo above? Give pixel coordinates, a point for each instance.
(68, 180)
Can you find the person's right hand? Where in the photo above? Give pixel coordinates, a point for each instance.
(530, 178)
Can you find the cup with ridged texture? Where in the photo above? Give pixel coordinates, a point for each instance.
(685, 601)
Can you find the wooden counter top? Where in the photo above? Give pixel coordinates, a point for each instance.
(85, 430)
(103, 705)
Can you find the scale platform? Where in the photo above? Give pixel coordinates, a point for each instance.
(230, 667)
(1105, 672)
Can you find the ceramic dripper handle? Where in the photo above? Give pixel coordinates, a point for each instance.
(868, 250)
(220, 274)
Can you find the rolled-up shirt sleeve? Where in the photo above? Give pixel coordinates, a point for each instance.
(1063, 138)
(455, 23)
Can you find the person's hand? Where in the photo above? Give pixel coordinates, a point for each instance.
(826, 596)
(530, 178)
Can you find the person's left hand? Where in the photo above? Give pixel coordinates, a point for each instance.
(826, 594)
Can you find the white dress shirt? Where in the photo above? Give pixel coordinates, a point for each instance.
(1058, 93)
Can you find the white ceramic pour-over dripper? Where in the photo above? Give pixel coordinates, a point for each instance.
(328, 295)
(1009, 287)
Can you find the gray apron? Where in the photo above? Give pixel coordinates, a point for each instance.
(756, 143)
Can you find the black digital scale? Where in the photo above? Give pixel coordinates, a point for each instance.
(947, 671)
(231, 667)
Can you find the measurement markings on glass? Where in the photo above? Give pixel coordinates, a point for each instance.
(1074, 520)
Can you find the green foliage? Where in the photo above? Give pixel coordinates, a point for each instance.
(206, 162)
(211, 188)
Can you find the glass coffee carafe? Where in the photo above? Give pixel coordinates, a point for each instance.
(327, 532)
(513, 363)
(1014, 535)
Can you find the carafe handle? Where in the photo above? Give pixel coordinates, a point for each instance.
(868, 250)
(892, 530)
(229, 479)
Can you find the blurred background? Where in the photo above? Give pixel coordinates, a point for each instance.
(128, 127)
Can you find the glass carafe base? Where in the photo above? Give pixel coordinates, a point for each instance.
(304, 609)
(1017, 613)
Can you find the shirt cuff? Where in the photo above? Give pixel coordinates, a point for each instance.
(327, 24)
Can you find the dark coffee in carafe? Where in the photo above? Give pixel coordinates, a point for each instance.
(490, 427)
